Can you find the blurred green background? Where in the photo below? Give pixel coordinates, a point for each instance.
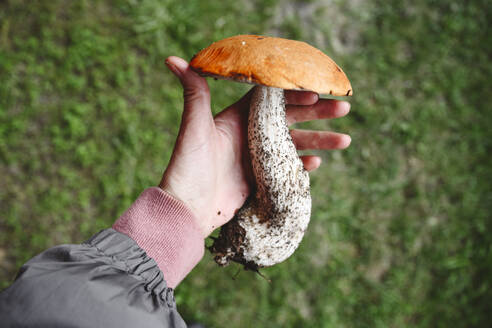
(401, 231)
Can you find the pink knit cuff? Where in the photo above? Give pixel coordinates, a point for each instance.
(163, 227)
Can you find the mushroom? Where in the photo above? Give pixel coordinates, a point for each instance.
(271, 223)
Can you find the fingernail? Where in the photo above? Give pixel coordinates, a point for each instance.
(344, 107)
(179, 64)
(173, 68)
(345, 141)
(314, 97)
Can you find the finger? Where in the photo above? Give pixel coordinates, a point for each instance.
(323, 109)
(305, 139)
(294, 97)
(311, 163)
(195, 90)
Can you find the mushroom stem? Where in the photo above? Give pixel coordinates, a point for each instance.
(271, 224)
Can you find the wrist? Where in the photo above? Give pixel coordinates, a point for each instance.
(166, 229)
(198, 217)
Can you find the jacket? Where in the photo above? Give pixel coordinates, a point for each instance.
(123, 276)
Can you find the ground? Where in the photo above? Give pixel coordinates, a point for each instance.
(401, 228)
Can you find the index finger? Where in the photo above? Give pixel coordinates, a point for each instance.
(294, 97)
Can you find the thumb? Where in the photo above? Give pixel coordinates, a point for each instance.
(195, 91)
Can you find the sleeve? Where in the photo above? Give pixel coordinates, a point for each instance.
(111, 280)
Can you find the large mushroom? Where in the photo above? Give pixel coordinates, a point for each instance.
(272, 222)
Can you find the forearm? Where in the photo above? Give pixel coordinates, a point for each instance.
(106, 282)
(121, 277)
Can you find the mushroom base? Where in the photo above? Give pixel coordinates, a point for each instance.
(229, 246)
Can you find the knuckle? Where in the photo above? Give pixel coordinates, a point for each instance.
(195, 92)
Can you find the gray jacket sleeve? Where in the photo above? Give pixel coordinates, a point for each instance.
(108, 281)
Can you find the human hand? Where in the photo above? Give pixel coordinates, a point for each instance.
(210, 170)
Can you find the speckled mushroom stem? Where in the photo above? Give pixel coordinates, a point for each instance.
(270, 226)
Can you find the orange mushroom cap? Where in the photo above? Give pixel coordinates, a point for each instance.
(274, 62)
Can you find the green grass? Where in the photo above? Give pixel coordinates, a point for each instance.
(401, 227)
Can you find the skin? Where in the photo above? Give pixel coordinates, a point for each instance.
(210, 170)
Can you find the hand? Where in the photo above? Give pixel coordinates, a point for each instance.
(210, 170)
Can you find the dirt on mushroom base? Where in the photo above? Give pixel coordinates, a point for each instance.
(232, 241)
(227, 246)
